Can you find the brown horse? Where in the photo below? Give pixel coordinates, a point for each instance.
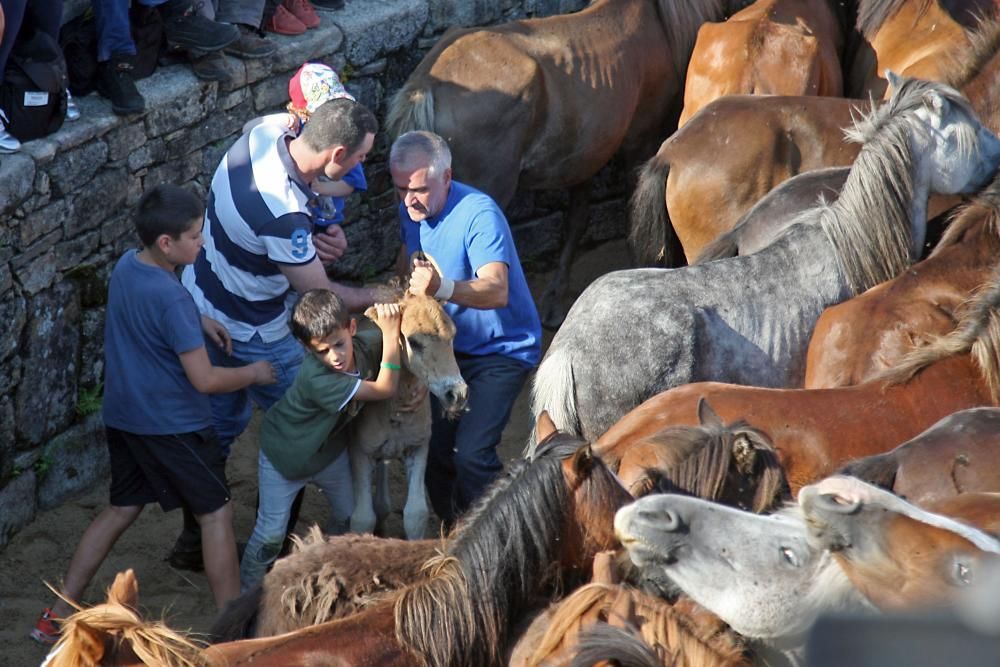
(532, 533)
(545, 103)
(815, 431)
(855, 340)
(898, 555)
(113, 634)
(957, 455)
(772, 47)
(739, 148)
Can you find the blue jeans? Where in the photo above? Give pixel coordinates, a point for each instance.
(231, 412)
(463, 460)
(276, 496)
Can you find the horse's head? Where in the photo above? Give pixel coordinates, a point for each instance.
(428, 334)
(895, 553)
(759, 573)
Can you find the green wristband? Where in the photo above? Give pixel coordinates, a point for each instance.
(391, 367)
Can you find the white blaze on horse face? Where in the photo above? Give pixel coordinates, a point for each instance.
(756, 572)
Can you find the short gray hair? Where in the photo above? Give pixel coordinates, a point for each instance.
(419, 148)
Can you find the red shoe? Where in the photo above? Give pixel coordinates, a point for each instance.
(284, 23)
(46, 630)
(303, 11)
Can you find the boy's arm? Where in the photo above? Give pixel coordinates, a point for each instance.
(387, 317)
(209, 379)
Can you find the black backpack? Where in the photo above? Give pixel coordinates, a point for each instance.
(33, 93)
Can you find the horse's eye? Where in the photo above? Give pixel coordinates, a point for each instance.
(790, 557)
(963, 573)
(415, 344)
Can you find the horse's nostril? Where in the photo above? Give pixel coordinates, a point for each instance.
(661, 518)
(834, 503)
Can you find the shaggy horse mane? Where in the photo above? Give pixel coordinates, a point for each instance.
(984, 207)
(496, 561)
(873, 13)
(977, 334)
(966, 63)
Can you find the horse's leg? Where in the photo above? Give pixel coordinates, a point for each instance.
(363, 518)
(383, 501)
(415, 512)
(551, 308)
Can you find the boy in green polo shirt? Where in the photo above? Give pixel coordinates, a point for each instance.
(300, 436)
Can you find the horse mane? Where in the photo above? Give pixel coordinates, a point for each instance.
(869, 224)
(680, 22)
(977, 333)
(984, 208)
(964, 64)
(873, 13)
(152, 641)
(432, 315)
(704, 456)
(690, 638)
(496, 560)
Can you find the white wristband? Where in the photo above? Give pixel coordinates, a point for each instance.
(446, 289)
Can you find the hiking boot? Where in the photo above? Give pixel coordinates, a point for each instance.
(250, 44)
(328, 5)
(115, 82)
(72, 111)
(303, 11)
(46, 630)
(185, 28)
(186, 559)
(283, 22)
(211, 66)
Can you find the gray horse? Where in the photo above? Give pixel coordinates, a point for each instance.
(747, 320)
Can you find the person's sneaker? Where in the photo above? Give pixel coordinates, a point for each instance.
(328, 5)
(185, 28)
(211, 66)
(283, 22)
(250, 44)
(8, 142)
(72, 111)
(183, 559)
(46, 630)
(303, 11)
(115, 82)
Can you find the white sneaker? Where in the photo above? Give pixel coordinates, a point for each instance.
(72, 111)
(8, 143)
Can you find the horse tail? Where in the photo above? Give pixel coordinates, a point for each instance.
(722, 247)
(602, 642)
(239, 618)
(411, 108)
(879, 470)
(554, 391)
(651, 236)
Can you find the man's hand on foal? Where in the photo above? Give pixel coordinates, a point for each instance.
(424, 278)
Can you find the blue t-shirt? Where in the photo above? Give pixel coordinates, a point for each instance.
(330, 210)
(150, 320)
(469, 232)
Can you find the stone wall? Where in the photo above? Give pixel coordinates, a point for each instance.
(66, 199)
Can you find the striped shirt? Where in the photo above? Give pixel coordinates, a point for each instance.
(256, 220)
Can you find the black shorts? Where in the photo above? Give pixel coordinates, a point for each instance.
(173, 470)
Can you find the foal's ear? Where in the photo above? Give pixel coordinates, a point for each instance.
(583, 461)
(124, 590)
(706, 415)
(544, 427)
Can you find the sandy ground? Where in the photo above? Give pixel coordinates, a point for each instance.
(41, 551)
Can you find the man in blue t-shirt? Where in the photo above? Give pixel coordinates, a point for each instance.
(468, 259)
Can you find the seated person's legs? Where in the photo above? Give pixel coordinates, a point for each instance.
(185, 28)
(115, 52)
(13, 16)
(248, 16)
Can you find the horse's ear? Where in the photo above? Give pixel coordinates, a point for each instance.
(706, 415)
(89, 643)
(583, 461)
(936, 102)
(744, 453)
(124, 590)
(895, 81)
(544, 427)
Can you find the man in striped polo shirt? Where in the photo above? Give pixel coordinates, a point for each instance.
(259, 251)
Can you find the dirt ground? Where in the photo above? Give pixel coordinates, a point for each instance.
(41, 551)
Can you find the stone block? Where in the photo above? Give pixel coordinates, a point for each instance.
(46, 397)
(76, 167)
(17, 173)
(17, 505)
(44, 220)
(105, 195)
(444, 14)
(608, 220)
(177, 171)
(72, 463)
(271, 95)
(72, 252)
(151, 152)
(35, 268)
(92, 347)
(381, 29)
(6, 280)
(13, 316)
(178, 100)
(540, 239)
(8, 445)
(118, 226)
(124, 140)
(372, 246)
(42, 151)
(368, 91)
(233, 98)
